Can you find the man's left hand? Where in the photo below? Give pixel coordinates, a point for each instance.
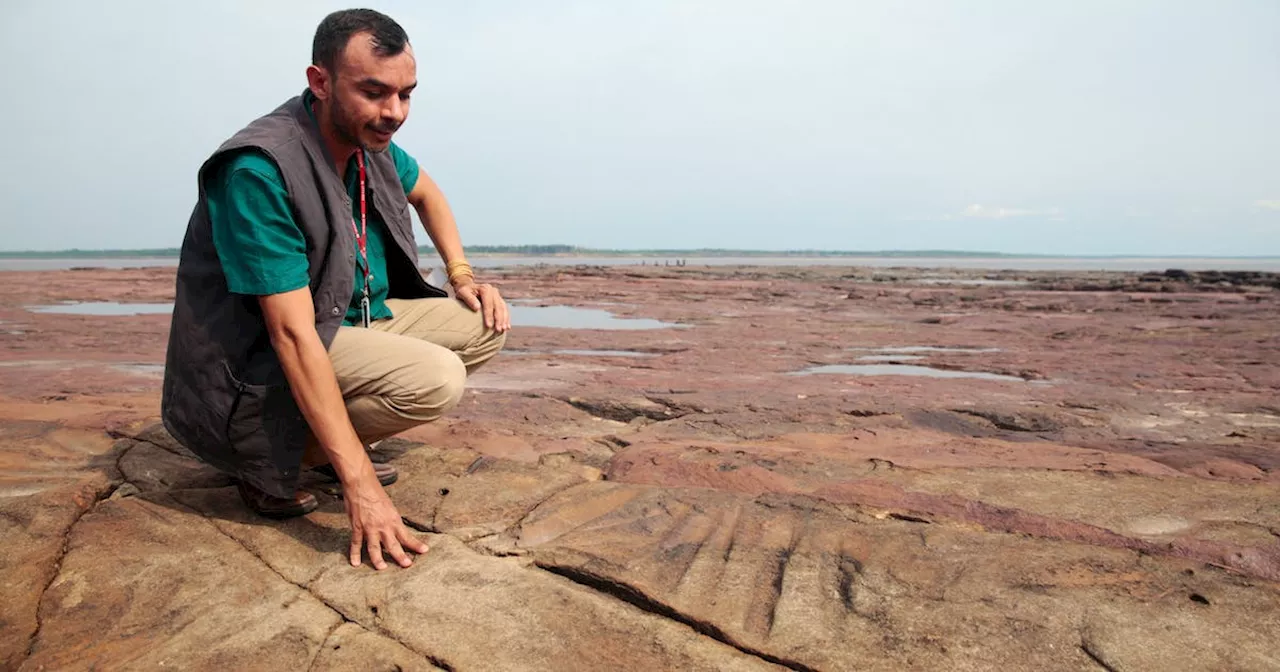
(484, 298)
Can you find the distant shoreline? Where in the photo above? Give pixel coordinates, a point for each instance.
(569, 252)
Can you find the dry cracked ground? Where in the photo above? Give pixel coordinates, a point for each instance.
(1106, 495)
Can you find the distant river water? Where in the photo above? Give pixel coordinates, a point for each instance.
(983, 263)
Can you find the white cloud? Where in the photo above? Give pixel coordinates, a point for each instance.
(978, 211)
(1267, 205)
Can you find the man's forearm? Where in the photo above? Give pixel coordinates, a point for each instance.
(437, 218)
(315, 388)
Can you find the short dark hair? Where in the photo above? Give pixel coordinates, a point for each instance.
(337, 29)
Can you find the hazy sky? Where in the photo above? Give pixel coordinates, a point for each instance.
(1079, 127)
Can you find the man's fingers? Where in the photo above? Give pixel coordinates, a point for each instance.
(504, 316)
(411, 542)
(375, 552)
(393, 548)
(489, 308)
(468, 296)
(494, 300)
(356, 543)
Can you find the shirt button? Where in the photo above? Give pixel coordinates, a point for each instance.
(337, 311)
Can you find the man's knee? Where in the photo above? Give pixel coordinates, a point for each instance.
(483, 348)
(432, 387)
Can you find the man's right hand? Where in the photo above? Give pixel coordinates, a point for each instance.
(376, 524)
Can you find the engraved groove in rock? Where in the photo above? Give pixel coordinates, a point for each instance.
(733, 533)
(638, 599)
(780, 573)
(680, 546)
(849, 569)
(576, 515)
(706, 549)
(777, 535)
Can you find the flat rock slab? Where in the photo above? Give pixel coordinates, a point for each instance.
(455, 608)
(1111, 500)
(124, 598)
(816, 586)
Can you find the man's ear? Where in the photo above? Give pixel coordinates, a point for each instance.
(320, 81)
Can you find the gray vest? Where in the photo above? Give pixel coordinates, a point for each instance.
(225, 396)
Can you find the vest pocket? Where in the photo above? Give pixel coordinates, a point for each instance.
(265, 428)
(245, 420)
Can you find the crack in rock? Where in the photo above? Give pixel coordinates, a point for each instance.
(1021, 421)
(627, 410)
(636, 598)
(324, 642)
(98, 497)
(1089, 650)
(515, 527)
(345, 619)
(420, 527)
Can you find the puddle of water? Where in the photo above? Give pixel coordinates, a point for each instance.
(901, 370)
(926, 348)
(567, 317)
(105, 308)
(976, 282)
(66, 364)
(889, 358)
(144, 369)
(564, 317)
(603, 353)
(570, 317)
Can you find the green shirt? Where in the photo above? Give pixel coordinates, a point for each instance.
(263, 251)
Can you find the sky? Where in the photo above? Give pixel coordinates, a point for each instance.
(1052, 127)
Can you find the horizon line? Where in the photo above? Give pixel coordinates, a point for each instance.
(573, 250)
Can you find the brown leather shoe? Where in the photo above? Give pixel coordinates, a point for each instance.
(386, 473)
(271, 506)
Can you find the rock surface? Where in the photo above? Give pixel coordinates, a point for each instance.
(1112, 501)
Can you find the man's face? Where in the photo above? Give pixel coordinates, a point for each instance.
(369, 94)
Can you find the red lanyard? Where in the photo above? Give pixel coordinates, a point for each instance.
(362, 236)
(362, 239)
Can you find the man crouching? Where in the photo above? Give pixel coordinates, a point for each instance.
(303, 330)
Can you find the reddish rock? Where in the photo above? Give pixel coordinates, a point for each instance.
(1113, 500)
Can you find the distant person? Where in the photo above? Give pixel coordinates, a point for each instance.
(303, 330)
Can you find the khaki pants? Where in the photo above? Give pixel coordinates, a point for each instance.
(410, 369)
